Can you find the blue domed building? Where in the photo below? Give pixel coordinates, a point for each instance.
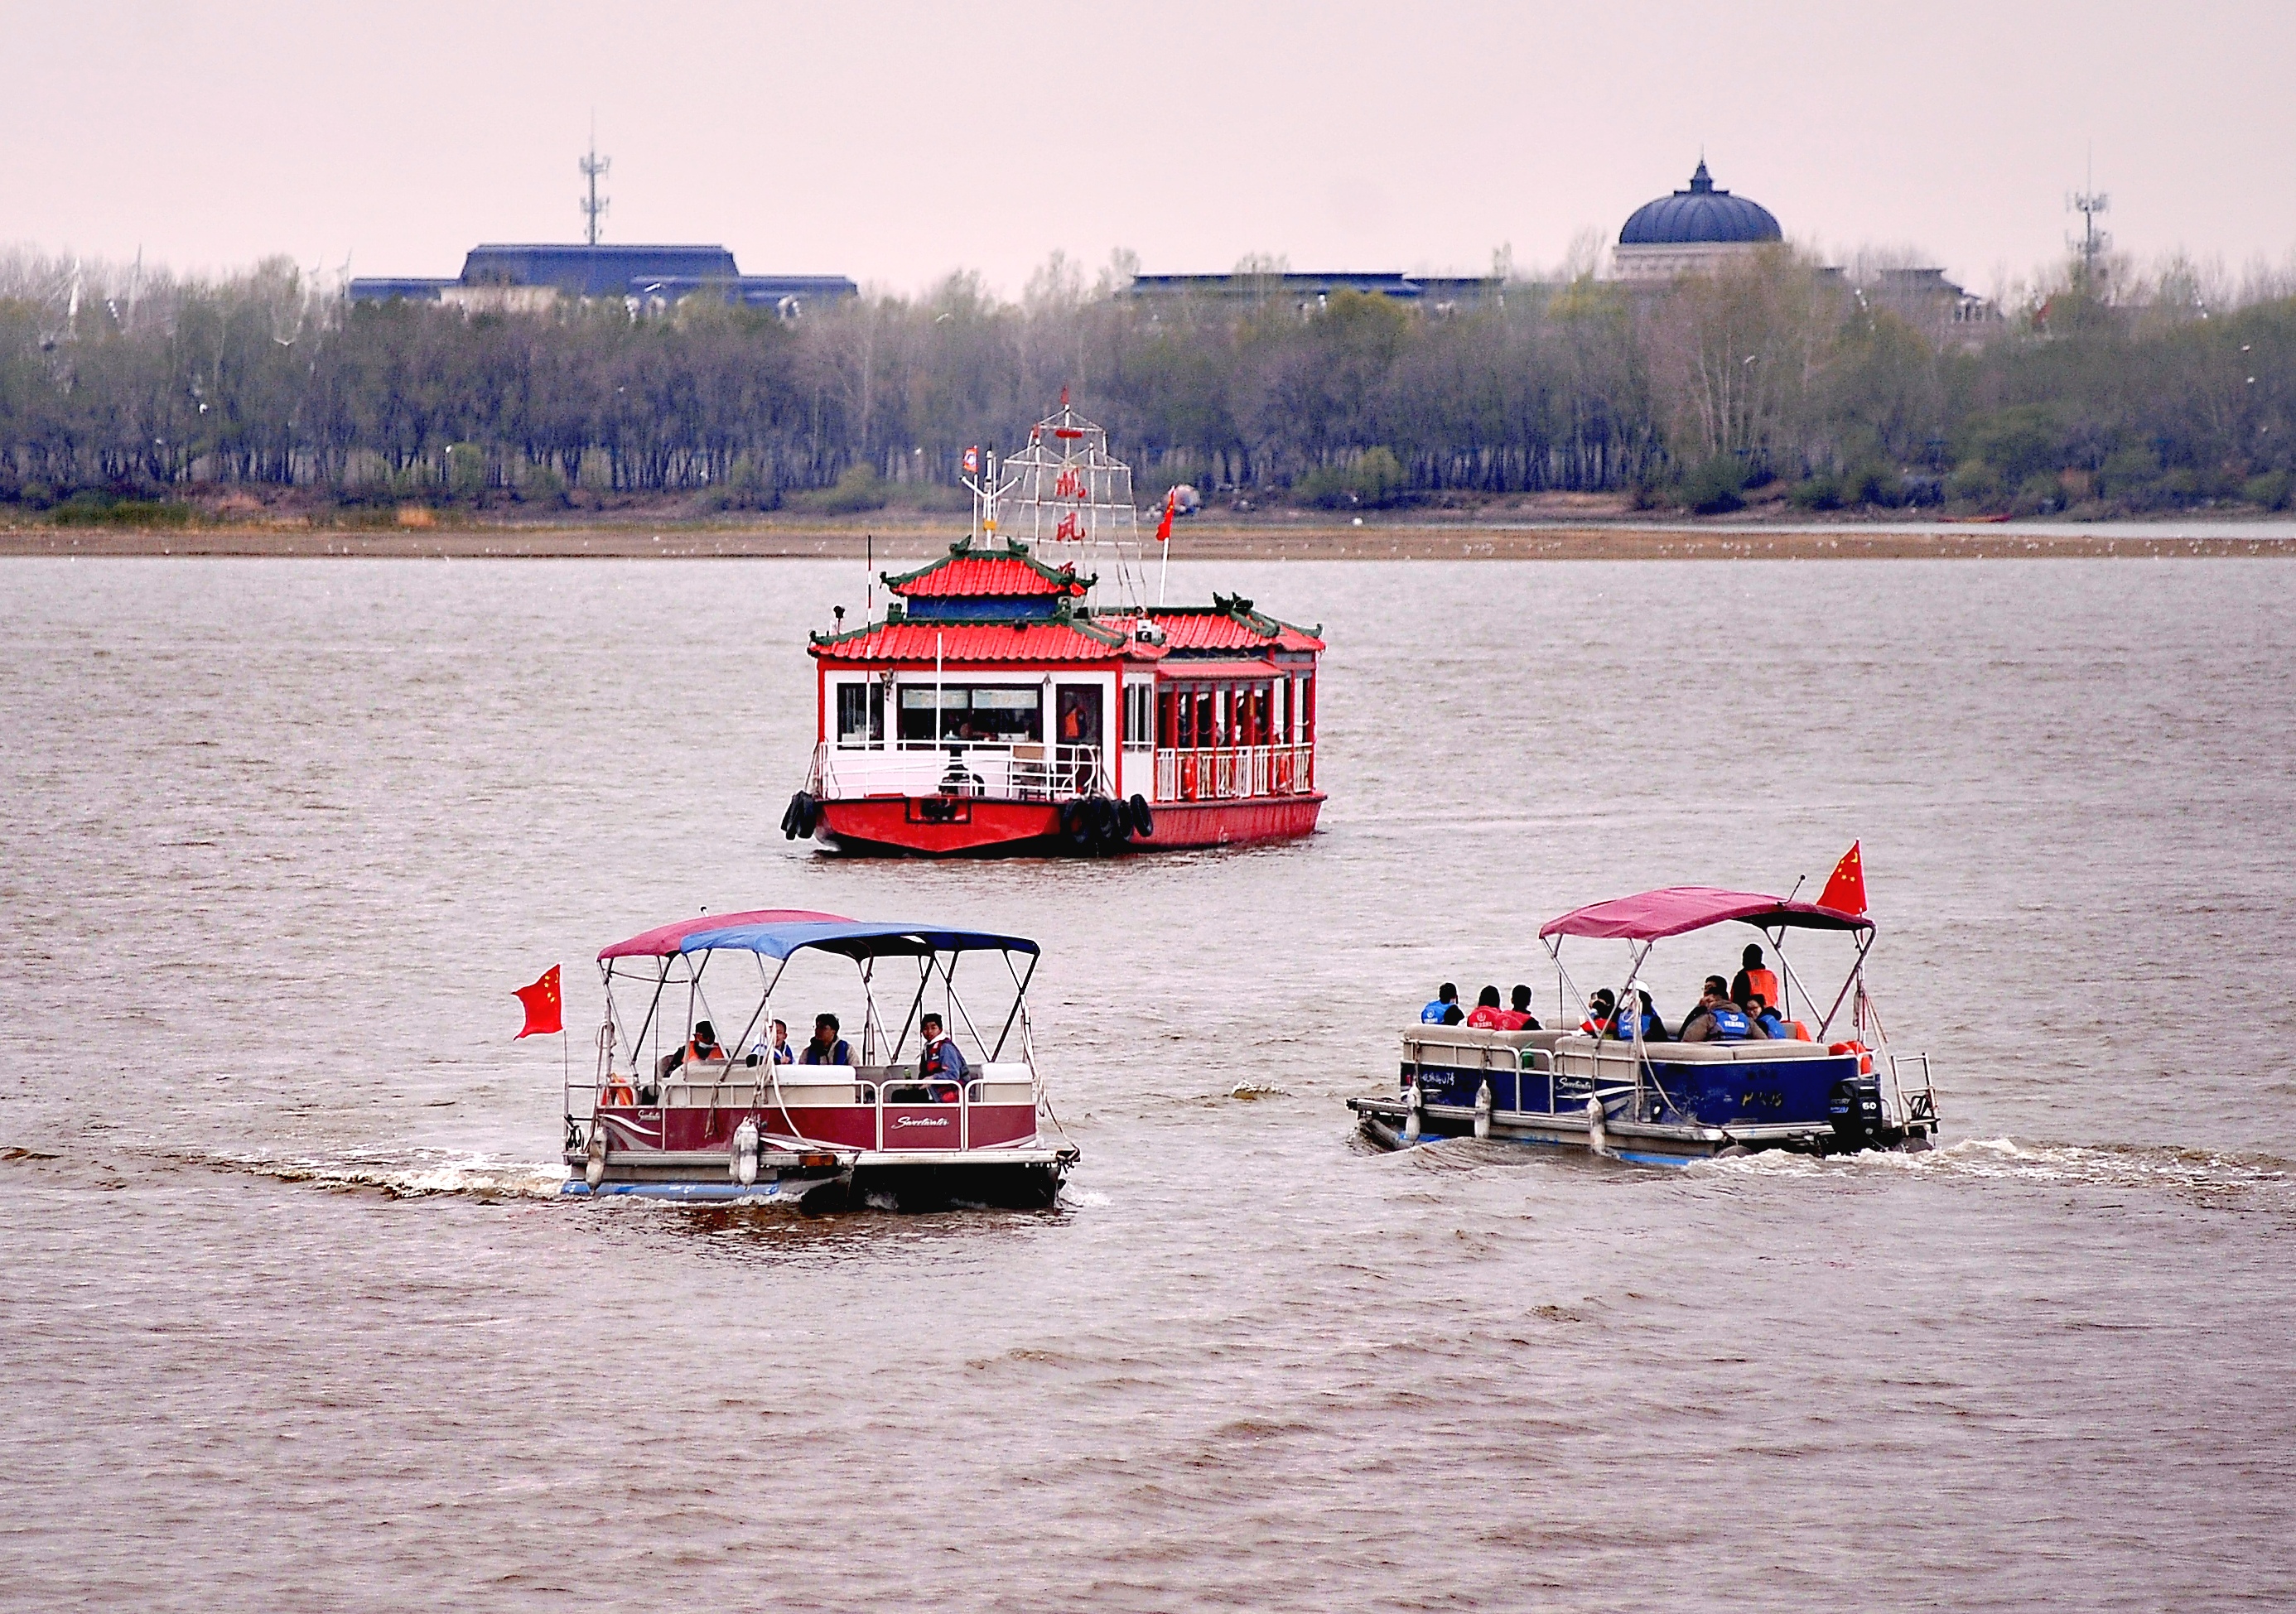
(1691, 232)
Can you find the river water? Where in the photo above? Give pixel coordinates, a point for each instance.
(289, 1318)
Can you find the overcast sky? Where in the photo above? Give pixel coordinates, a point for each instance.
(895, 142)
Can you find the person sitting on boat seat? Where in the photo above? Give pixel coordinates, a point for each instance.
(1445, 1010)
(940, 1064)
(1517, 1016)
(774, 1046)
(701, 1044)
(1780, 1028)
(1717, 1019)
(1638, 1012)
(826, 1048)
(1599, 1009)
(1753, 980)
(1487, 1015)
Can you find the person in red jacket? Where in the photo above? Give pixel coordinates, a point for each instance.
(1518, 1017)
(1488, 1014)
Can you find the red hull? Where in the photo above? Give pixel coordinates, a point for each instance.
(887, 826)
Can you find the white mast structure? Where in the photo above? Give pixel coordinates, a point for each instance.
(1070, 500)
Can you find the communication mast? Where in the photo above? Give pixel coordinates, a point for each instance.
(593, 206)
(2088, 203)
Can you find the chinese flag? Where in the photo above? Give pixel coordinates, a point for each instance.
(542, 1005)
(1845, 892)
(1164, 527)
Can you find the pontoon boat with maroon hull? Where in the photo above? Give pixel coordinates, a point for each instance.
(1009, 703)
(675, 1112)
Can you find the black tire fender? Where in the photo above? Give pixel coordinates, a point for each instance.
(800, 817)
(1144, 822)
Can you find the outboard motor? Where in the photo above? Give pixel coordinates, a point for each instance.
(1855, 1108)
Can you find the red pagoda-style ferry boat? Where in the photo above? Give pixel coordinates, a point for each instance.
(1010, 703)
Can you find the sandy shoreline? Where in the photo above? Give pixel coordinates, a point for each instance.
(901, 541)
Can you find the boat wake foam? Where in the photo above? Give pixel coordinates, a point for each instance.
(418, 1174)
(2133, 1166)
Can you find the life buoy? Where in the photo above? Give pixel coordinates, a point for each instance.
(1864, 1055)
(618, 1092)
(1187, 778)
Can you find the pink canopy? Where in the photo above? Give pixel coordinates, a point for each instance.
(1680, 908)
(664, 940)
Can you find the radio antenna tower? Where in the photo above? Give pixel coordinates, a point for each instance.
(2088, 203)
(594, 167)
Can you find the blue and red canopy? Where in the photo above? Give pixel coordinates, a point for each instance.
(666, 941)
(1652, 914)
(849, 939)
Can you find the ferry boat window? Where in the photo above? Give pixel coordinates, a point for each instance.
(861, 712)
(1080, 715)
(994, 714)
(1139, 714)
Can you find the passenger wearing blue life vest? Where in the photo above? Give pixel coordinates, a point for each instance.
(1445, 1010)
(1635, 1007)
(827, 1047)
(1717, 1019)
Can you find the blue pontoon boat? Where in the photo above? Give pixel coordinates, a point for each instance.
(1642, 1096)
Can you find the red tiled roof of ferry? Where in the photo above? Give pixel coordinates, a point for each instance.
(1186, 630)
(998, 574)
(919, 641)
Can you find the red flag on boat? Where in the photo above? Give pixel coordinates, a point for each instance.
(1845, 892)
(542, 1005)
(1164, 527)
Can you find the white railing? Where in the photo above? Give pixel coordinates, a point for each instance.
(1233, 773)
(920, 768)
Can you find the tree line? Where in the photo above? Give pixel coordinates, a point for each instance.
(2132, 391)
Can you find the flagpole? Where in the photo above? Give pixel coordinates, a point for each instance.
(1164, 543)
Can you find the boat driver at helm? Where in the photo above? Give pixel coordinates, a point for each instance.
(1717, 1019)
(701, 1044)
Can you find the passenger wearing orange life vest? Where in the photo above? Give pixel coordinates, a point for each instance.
(1754, 981)
(701, 1044)
(940, 1060)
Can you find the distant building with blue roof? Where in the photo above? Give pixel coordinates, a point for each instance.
(532, 276)
(1694, 231)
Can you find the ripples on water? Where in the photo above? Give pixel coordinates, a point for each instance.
(291, 1317)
